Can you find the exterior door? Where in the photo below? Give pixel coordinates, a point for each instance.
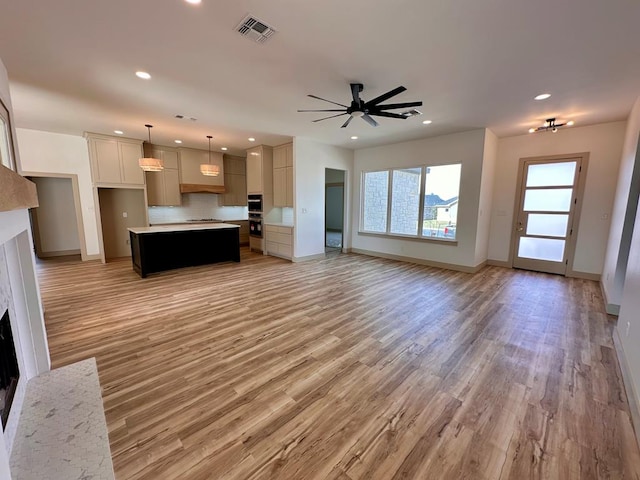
(544, 227)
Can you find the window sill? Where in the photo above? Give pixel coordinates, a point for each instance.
(397, 236)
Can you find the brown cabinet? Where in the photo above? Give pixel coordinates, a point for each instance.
(283, 176)
(260, 170)
(244, 230)
(235, 182)
(163, 188)
(190, 161)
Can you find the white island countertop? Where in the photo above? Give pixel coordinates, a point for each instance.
(181, 228)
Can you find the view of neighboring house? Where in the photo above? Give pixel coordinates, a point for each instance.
(440, 215)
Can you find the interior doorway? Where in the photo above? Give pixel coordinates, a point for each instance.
(56, 224)
(120, 209)
(334, 210)
(547, 213)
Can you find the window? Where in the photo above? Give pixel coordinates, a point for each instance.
(376, 198)
(405, 201)
(394, 201)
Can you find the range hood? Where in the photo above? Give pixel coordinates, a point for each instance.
(198, 188)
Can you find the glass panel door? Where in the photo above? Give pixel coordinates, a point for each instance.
(545, 214)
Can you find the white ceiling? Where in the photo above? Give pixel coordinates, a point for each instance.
(473, 64)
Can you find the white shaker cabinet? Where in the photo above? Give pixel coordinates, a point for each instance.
(114, 161)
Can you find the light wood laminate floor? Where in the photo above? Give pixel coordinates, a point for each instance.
(346, 368)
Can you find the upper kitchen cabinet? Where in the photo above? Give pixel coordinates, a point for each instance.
(235, 182)
(260, 170)
(283, 175)
(114, 161)
(191, 178)
(163, 188)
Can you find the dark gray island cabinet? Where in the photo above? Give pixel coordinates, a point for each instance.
(155, 249)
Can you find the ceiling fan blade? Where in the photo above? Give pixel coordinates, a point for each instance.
(337, 110)
(370, 120)
(385, 96)
(325, 100)
(391, 106)
(345, 124)
(326, 118)
(356, 88)
(387, 114)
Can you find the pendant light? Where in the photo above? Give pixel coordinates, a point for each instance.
(207, 168)
(150, 164)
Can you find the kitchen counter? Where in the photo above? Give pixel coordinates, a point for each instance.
(181, 227)
(159, 248)
(191, 222)
(279, 224)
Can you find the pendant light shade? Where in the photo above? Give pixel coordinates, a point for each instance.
(207, 168)
(150, 164)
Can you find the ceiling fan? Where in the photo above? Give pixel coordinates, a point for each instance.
(365, 110)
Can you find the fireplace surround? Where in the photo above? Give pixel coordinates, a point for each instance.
(9, 370)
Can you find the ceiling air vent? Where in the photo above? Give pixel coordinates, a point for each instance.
(254, 29)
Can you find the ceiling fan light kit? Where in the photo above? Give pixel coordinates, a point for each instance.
(150, 164)
(551, 125)
(366, 110)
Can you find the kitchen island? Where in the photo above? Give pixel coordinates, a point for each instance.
(160, 248)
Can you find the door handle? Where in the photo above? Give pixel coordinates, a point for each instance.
(520, 227)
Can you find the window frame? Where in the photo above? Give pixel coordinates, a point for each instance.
(387, 233)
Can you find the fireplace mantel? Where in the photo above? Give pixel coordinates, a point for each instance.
(16, 192)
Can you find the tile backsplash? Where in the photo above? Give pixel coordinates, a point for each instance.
(196, 206)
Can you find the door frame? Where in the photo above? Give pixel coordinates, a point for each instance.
(570, 249)
(75, 187)
(344, 203)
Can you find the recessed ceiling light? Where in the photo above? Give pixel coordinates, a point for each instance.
(118, 132)
(224, 149)
(143, 75)
(542, 96)
(354, 138)
(426, 122)
(178, 141)
(193, 2)
(251, 139)
(532, 130)
(570, 123)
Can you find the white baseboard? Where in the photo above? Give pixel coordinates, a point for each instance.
(88, 258)
(61, 253)
(584, 275)
(632, 394)
(610, 308)
(319, 256)
(499, 263)
(421, 261)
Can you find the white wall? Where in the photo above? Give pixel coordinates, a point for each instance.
(629, 321)
(309, 162)
(604, 143)
(489, 159)
(466, 148)
(48, 152)
(623, 213)
(56, 216)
